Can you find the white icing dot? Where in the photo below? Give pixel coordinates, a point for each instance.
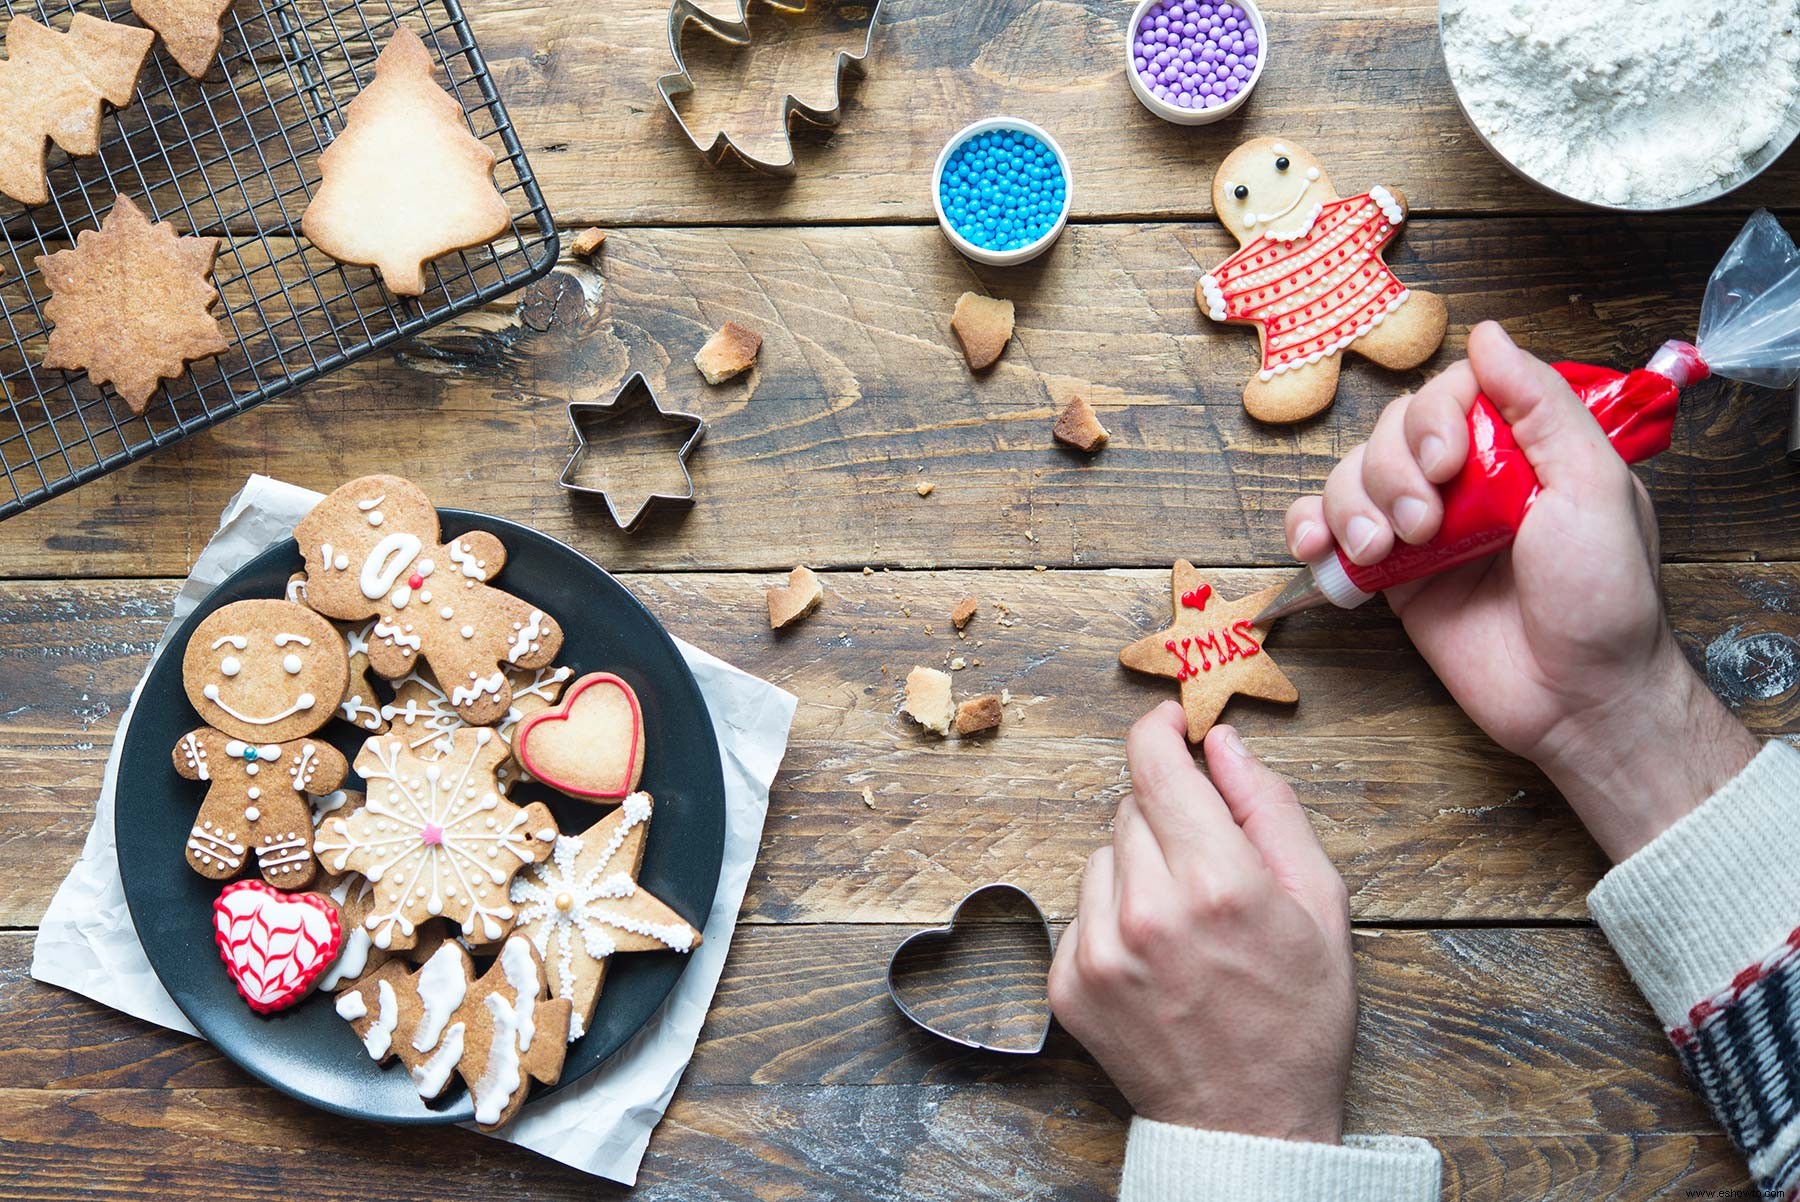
(375, 518)
(290, 663)
(468, 632)
(341, 562)
(446, 613)
(251, 814)
(250, 769)
(425, 596)
(229, 666)
(253, 793)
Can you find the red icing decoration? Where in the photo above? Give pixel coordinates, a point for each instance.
(415, 581)
(272, 943)
(431, 834)
(1220, 642)
(1197, 598)
(560, 713)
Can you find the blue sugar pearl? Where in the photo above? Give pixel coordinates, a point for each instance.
(1002, 190)
(249, 753)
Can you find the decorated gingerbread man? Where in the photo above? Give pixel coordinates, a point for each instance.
(1310, 277)
(263, 675)
(372, 551)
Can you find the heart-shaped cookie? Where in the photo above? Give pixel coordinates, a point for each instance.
(275, 945)
(591, 745)
(983, 980)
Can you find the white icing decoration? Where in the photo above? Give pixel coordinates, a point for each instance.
(468, 632)
(229, 666)
(431, 1076)
(211, 846)
(251, 813)
(282, 854)
(472, 692)
(282, 640)
(234, 640)
(524, 642)
(354, 955)
(305, 764)
(290, 663)
(390, 557)
(341, 562)
(1215, 297)
(500, 1080)
(353, 707)
(400, 597)
(196, 756)
(375, 518)
(465, 560)
(351, 1007)
(365, 506)
(397, 636)
(1390, 208)
(303, 702)
(522, 975)
(441, 987)
(380, 1036)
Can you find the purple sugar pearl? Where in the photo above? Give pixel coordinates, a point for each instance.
(1193, 54)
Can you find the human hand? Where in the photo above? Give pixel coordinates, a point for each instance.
(1557, 648)
(1208, 967)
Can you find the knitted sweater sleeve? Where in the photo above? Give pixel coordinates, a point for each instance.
(1165, 1163)
(1705, 918)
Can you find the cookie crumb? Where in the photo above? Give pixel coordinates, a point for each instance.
(984, 326)
(978, 714)
(928, 699)
(794, 600)
(1040, 567)
(1078, 426)
(1005, 696)
(965, 610)
(926, 488)
(958, 664)
(587, 242)
(868, 797)
(867, 570)
(728, 353)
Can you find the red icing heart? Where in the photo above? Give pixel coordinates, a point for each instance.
(274, 944)
(594, 763)
(1198, 597)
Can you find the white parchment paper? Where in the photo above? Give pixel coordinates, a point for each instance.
(599, 1125)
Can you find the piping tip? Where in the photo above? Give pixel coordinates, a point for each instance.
(1301, 593)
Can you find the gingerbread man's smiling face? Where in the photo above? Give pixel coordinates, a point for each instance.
(265, 670)
(1270, 189)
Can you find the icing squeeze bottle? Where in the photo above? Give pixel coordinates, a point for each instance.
(1749, 331)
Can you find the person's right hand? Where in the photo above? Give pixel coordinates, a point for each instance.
(1559, 647)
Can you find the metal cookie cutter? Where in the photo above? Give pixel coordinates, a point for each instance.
(587, 416)
(737, 32)
(918, 945)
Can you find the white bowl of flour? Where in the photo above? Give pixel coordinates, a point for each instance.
(1638, 105)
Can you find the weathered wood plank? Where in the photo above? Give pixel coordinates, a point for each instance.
(1471, 1032)
(1363, 85)
(860, 393)
(1425, 818)
(877, 1144)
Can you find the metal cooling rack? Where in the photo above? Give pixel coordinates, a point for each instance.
(236, 155)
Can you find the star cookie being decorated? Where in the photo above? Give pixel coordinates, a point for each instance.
(131, 304)
(1213, 648)
(435, 837)
(583, 904)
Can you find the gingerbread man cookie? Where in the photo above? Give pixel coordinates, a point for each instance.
(1310, 277)
(372, 551)
(1213, 648)
(263, 676)
(359, 706)
(436, 837)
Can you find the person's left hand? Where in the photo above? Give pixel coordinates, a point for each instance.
(1208, 968)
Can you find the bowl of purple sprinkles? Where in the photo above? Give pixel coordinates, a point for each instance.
(1193, 62)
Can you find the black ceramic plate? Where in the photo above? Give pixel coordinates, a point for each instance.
(308, 1051)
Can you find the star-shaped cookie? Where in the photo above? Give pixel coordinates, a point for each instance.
(1213, 648)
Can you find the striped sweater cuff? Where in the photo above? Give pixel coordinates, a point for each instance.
(1166, 1163)
(1713, 893)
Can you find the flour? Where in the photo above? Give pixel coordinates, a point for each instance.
(1637, 103)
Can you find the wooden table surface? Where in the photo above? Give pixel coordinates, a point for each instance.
(1495, 1020)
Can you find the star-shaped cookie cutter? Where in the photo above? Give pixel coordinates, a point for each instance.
(631, 395)
(737, 32)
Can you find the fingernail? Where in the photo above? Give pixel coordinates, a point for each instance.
(1507, 338)
(1409, 513)
(1431, 452)
(1232, 743)
(1304, 533)
(1360, 534)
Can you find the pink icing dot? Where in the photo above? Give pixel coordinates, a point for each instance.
(432, 835)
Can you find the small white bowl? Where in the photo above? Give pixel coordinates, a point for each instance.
(1002, 258)
(1174, 112)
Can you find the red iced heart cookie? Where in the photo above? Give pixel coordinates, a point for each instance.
(591, 745)
(275, 944)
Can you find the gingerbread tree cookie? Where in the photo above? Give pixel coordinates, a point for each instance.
(52, 86)
(372, 551)
(584, 904)
(261, 674)
(406, 181)
(497, 1032)
(1310, 277)
(1213, 648)
(436, 837)
(132, 303)
(191, 30)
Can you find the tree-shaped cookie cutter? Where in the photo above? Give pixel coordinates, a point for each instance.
(737, 32)
(586, 418)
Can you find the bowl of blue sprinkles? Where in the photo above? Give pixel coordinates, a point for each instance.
(1002, 191)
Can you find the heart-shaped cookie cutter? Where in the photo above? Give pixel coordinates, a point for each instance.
(944, 933)
(737, 33)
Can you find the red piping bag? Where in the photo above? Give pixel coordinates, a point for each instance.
(1749, 331)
